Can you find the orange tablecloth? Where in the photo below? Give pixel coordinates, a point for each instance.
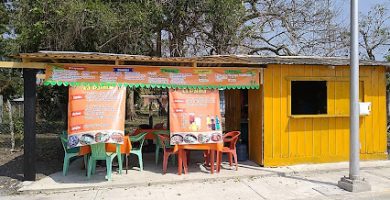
(125, 147)
(209, 146)
(150, 135)
(182, 161)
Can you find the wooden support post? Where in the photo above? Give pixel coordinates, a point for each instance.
(119, 62)
(29, 76)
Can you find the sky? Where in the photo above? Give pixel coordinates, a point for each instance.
(364, 7)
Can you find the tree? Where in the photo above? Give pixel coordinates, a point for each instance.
(10, 87)
(10, 79)
(4, 23)
(374, 30)
(292, 27)
(95, 26)
(222, 29)
(54, 101)
(131, 27)
(131, 96)
(204, 27)
(180, 21)
(135, 32)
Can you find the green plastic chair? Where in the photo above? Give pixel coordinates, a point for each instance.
(64, 133)
(98, 152)
(140, 138)
(69, 153)
(158, 143)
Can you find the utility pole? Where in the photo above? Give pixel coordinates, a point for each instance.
(354, 183)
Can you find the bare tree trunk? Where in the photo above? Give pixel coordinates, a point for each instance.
(11, 125)
(150, 115)
(161, 109)
(1, 108)
(130, 105)
(158, 44)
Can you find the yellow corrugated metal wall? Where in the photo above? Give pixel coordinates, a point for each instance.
(323, 138)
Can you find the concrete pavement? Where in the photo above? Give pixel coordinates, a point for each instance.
(310, 185)
(317, 181)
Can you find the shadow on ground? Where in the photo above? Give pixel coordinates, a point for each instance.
(49, 156)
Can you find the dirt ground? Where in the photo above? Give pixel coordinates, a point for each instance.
(49, 160)
(49, 154)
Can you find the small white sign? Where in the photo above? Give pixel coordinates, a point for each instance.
(364, 108)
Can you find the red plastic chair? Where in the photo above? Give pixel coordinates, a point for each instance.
(164, 139)
(159, 126)
(231, 139)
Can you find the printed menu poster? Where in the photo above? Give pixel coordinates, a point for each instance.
(195, 117)
(152, 76)
(96, 115)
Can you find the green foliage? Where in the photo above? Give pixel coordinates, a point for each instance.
(71, 25)
(3, 19)
(136, 28)
(19, 128)
(225, 20)
(181, 20)
(186, 27)
(52, 102)
(94, 26)
(131, 27)
(11, 83)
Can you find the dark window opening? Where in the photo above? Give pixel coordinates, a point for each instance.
(308, 97)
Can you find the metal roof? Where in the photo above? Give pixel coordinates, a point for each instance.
(311, 60)
(202, 61)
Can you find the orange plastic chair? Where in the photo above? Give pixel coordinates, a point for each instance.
(231, 138)
(164, 139)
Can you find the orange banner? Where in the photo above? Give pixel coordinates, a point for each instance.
(96, 115)
(194, 116)
(160, 77)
